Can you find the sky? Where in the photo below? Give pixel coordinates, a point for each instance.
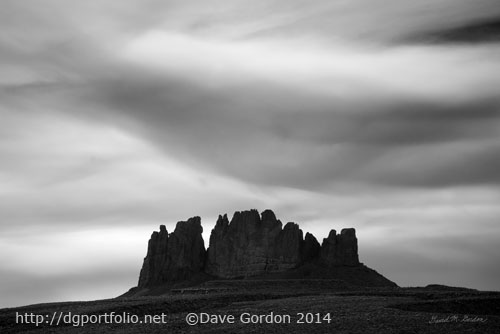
(118, 116)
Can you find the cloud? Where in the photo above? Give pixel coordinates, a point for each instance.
(75, 174)
(278, 116)
(68, 265)
(281, 131)
(485, 31)
(19, 289)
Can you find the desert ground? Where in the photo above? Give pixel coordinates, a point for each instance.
(272, 306)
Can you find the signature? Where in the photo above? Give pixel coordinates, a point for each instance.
(455, 318)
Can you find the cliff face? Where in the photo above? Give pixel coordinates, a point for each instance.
(252, 245)
(174, 257)
(249, 245)
(340, 249)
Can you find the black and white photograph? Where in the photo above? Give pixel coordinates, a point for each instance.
(265, 166)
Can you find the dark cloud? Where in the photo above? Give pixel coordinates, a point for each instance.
(445, 166)
(288, 137)
(485, 31)
(392, 123)
(372, 22)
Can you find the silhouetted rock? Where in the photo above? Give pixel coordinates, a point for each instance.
(251, 245)
(288, 247)
(219, 249)
(348, 247)
(154, 267)
(329, 248)
(245, 247)
(310, 248)
(340, 249)
(186, 250)
(174, 257)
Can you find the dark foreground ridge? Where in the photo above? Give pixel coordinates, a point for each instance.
(342, 309)
(251, 245)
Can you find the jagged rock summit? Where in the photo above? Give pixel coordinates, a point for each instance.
(252, 245)
(176, 256)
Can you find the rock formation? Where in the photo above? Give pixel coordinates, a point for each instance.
(252, 245)
(340, 249)
(176, 256)
(310, 248)
(247, 246)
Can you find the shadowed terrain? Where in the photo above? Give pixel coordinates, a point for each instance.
(351, 309)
